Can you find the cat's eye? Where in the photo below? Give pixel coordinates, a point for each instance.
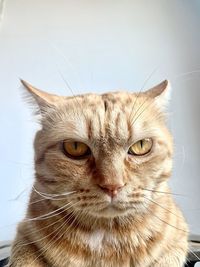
(76, 150)
(141, 147)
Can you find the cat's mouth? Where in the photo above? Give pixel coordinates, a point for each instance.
(114, 209)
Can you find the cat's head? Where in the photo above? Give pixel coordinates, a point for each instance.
(112, 151)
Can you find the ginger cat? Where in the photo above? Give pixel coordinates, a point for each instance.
(100, 197)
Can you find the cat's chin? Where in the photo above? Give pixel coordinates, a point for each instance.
(111, 212)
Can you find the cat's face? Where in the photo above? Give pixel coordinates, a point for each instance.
(124, 150)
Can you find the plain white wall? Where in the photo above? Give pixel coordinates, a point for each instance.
(97, 46)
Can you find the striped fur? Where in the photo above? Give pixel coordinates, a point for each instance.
(142, 226)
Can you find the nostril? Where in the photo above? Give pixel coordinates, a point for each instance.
(111, 190)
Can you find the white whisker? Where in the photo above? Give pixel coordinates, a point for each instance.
(55, 240)
(162, 207)
(173, 226)
(43, 194)
(48, 215)
(196, 256)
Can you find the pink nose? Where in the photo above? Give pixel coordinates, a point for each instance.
(111, 190)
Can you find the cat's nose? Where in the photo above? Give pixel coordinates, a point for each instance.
(111, 189)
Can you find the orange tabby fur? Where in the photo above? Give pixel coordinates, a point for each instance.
(142, 226)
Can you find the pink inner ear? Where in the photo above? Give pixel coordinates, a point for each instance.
(161, 95)
(40, 96)
(158, 89)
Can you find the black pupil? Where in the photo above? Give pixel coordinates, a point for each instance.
(75, 145)
(141, 144)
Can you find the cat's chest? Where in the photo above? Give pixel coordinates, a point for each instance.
(99, 239)
(86, 249)
(94, 240)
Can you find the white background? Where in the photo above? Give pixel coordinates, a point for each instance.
(97, 46)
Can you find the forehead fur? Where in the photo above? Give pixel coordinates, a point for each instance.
(120, 116)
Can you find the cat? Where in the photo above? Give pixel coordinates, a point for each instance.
(101, 196)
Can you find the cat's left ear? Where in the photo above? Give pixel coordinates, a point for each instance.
(43, 99)
(161, 94)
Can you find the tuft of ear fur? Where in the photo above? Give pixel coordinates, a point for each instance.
(44, 100)
(41, 97)
(161, 94)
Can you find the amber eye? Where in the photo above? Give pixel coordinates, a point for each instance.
(76, 150)
(141, 147)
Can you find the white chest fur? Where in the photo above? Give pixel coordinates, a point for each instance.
(97, 239)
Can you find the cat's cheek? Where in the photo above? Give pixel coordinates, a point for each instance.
(76, 163)
(136, 163)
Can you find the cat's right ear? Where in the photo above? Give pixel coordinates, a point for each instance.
(161, 94)
(44, 100)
